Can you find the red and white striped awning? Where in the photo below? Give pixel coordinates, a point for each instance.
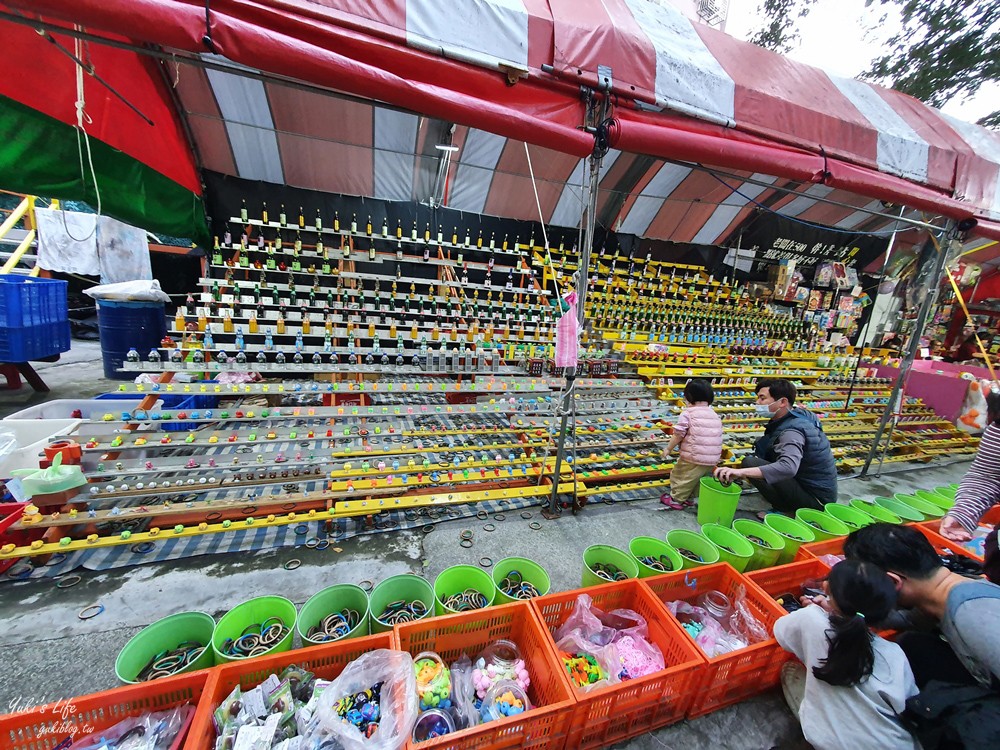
(506, 71)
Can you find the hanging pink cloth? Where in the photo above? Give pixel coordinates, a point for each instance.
(567, 335)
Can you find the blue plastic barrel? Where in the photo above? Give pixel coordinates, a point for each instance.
(128, 325)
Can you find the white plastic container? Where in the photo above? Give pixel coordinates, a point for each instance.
(90, 408)
(32, 436)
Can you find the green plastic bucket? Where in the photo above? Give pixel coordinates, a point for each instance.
(794, 533)
(733, 546)
(531, 572)
(166, 635)
(253, 612)
(928, 509)
(695, 542)
(717, 502)
(852, 518)
(458, 578)
(934, 497)
(824, 525)
(904, 511)
(608, 555)
(764, 556)
(650, 546)
(330, 600)
(405, 587)
(877, 512)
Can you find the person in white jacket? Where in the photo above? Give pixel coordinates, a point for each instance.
(851, 683)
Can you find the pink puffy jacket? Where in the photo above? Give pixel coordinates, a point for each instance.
(703, 443)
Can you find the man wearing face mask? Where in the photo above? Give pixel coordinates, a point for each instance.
(792, 464)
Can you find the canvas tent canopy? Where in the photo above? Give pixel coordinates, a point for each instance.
(354, 96)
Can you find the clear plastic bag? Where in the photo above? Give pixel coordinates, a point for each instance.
(397, 703)
(707, 632)
(744, 623)
(463, 694)
(583, 621)
(597, 626)
(155, 731)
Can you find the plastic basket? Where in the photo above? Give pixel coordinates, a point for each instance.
(819, 549)
(33, 342)
(852, 518)
(764, 555)
(949, 491)
(823, 525)
(44, 727)
(546, 725)
(785, 579)
(611, 714)
(717, 502)
(944, 502)
(459, 578)
(164, 635)
(326, 661)
(333, 599)
(794, 534)
(696, 543)
(530, 571)
(925, 507)
(735, 676)
(254, 611)
(26, 302)
(171, 402)
(942, 545)
(650, 546)
(733, 546)
(407, 587)
(607, 555)
(906, 512)
(877, 512)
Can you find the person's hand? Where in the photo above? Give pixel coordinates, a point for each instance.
(951, 529)
(819, 601)
(727, 474)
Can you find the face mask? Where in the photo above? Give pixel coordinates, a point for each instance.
(763, 409)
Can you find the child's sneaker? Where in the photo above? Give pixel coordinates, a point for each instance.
(672, 504)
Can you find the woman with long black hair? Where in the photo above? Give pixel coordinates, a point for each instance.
(853, 683)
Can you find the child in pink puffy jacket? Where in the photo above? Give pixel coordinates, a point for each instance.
(698, 432)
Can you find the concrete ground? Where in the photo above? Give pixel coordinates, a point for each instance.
(49, 654)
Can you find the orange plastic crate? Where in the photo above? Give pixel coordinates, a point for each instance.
(326, 661)
(927, 528)
(614, 713)
(732, 677)
(788, 578)
(546, 725)
(944, 545)
(816, 550)
(45, 727)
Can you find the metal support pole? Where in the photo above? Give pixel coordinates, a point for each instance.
(861, 335)
(589, 220)
(934, 284)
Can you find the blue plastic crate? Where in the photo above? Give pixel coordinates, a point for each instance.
(26, 301)
(24, 343)
(175, 401)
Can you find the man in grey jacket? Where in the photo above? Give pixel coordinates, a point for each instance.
(792, 464)
(966, 611)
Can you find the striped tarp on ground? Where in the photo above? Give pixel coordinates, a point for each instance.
(258, 539)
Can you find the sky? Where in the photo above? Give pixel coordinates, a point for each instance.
(835, 37)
